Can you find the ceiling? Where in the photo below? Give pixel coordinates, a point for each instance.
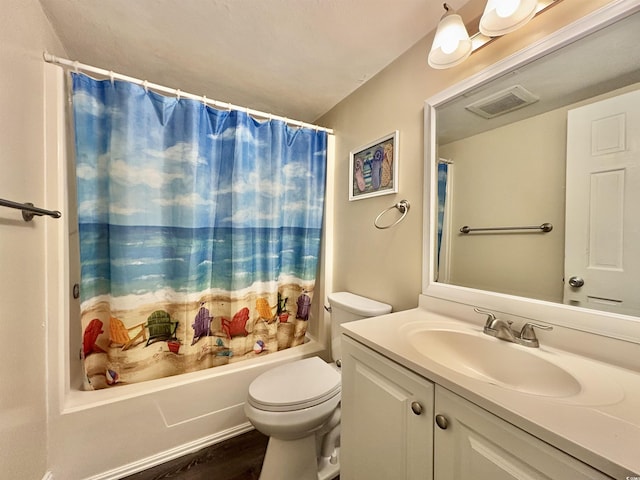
(294, 58)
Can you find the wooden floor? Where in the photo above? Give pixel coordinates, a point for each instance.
(239, 458)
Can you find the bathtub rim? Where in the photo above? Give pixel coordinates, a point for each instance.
(76, 399)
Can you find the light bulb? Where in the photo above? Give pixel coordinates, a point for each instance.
(504, 16)
(450, 41)
(450, 45)
(506, 8)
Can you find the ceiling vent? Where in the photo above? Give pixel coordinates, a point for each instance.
(503, 102)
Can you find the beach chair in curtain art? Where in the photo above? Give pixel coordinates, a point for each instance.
(120, 336)
(160, 327)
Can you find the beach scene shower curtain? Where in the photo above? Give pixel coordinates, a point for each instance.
(199, 232)
(443, 169)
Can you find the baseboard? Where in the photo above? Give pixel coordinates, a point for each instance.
(168, 455)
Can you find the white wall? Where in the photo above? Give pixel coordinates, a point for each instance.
(24, 35)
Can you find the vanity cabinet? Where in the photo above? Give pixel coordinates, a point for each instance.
(387, 418)
(399, 425)
(470, 442)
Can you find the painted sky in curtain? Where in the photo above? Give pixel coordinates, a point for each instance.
(143, 159)
(175, 194)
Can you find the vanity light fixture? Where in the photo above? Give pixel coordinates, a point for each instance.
(452, 44)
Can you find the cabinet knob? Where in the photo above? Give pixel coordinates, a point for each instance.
(416, 408)
(442, 421)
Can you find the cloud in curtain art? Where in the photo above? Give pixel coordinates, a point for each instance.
(197, 169)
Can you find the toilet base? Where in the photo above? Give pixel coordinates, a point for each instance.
(296, 460)
(290, 459)
(328, 470)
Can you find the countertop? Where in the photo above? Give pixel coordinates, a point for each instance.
(600, 426)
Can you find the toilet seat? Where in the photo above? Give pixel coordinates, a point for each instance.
(295, 386)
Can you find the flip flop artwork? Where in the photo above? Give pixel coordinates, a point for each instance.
(373, 168)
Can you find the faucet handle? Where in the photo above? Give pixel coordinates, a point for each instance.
(490, 315)
(491, 318)
(528, 335)
(484, 312)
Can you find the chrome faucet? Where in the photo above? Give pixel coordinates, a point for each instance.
(502, 329)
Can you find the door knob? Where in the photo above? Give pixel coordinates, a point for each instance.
(576, 282)
(416, 408)
(442, 421)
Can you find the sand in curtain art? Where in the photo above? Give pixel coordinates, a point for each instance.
(163, 339)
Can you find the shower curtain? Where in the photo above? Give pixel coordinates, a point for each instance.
(199, 232)
(442, 270)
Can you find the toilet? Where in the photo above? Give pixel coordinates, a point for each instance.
(298, 404)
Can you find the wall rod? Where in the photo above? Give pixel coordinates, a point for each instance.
(77, 66)
(545, 227)
(28, 210)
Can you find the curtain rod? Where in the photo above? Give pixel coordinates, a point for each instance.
(179, 93)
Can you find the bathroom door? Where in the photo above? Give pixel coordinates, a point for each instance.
(602, 238)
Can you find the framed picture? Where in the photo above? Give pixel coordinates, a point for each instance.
(373, 168)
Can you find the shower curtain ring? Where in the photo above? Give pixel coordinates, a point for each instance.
(145, 84)
(178, 94)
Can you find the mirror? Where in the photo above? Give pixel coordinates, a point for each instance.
(501, 136)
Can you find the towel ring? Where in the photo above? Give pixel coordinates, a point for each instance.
(402, 205)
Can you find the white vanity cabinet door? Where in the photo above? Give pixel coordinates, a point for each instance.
(382, 437)
(478, 445)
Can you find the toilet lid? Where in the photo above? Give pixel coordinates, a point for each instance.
(294, 386)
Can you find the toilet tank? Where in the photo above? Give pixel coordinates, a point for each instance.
(347, 307)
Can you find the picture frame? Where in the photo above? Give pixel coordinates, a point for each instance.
(373, 168)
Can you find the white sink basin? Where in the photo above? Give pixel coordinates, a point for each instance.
(495, 361)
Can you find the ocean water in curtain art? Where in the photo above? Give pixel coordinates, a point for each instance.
(199, 232)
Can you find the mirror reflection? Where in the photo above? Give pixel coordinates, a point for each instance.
(554, 142)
